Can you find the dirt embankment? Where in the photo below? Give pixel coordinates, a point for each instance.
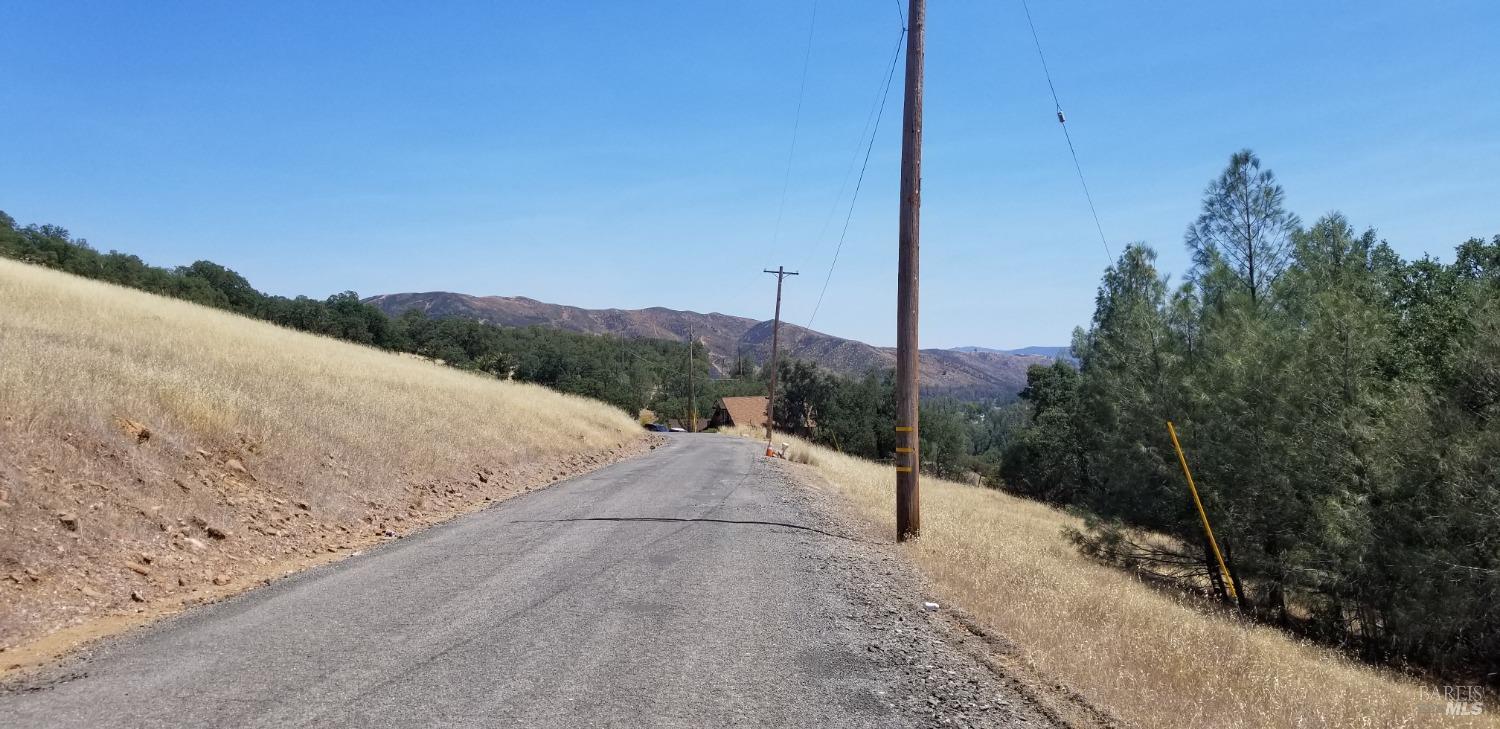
(99, 534)
(154, 452)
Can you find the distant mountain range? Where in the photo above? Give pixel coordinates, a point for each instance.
(966, 372)
(1048, 352)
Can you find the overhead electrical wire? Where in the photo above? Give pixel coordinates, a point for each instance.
(1062, 121)
(859, 144)
(796, 125)
(859, 182)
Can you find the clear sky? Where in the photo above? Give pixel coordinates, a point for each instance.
(634, 154)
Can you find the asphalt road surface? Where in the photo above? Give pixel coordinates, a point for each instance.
(694, 586)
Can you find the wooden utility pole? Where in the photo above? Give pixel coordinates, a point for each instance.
(692, 401)
(781, 274)
(908, 407)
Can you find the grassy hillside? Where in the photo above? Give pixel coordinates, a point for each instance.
(150, 447)
(1147, 656)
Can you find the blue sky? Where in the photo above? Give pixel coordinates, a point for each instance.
(634, 154)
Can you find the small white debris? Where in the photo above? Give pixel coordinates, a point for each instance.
(930, 607)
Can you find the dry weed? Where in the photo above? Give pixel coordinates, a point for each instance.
(1148, 657)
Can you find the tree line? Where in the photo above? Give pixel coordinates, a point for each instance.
(1340, 409)
(857, 415)
(629, 374)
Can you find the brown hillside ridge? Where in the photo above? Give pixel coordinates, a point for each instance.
(719, 332)
(965, 374)
(155, 454)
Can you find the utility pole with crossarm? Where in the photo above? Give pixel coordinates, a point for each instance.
(781, 273)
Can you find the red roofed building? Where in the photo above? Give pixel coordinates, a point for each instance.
(749, 412)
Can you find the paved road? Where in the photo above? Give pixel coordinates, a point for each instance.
(666, 590)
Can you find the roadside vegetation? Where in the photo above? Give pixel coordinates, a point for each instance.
(960, 439)
(1151, 657)
(1339, 405)
(152, 448)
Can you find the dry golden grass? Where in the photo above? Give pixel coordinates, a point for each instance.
(294, 445)
(77, 350)
(1149, 658)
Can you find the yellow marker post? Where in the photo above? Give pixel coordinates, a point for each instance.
(1223, 569)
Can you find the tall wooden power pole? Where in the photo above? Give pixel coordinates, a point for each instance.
(908, 441)
(692, 418)
(781, 274)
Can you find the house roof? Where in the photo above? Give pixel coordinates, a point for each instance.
(748, 411)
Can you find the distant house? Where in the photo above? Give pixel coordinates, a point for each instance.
(748, 412)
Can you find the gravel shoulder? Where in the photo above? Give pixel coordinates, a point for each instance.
(948, 669)
(698, 585)
(954, 671)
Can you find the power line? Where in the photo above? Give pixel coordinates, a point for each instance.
(1062, 121)
(796, 124)
(879, 114)
(859, 141)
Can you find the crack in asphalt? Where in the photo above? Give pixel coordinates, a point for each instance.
(752, 522)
